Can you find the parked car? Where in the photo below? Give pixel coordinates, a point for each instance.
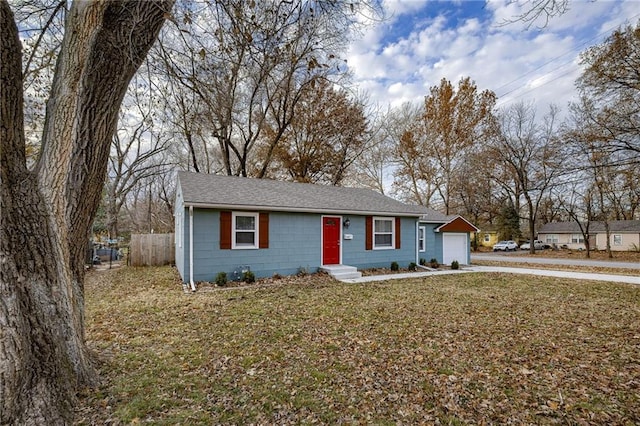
(505, 245)
(537, 244)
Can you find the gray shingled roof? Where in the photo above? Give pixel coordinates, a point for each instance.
(632, 226)
(215, 191)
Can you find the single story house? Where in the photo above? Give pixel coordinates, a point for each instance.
(232, 224)
(624, 235)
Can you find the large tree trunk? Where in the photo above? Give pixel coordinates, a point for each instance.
(46, 214)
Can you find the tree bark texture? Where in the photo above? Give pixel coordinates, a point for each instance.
(46, 213)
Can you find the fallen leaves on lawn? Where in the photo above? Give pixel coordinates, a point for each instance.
(469, 348)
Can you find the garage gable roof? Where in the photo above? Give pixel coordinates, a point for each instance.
(457, 224)
(232, 192)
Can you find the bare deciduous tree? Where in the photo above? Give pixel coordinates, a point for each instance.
(527, 160)
(249, 63)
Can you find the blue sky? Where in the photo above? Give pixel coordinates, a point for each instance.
(422, 41)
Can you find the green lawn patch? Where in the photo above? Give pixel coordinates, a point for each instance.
(458, 349)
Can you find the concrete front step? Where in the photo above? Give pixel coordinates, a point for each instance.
(341, 272)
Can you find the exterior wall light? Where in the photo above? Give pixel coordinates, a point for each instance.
(346, 223)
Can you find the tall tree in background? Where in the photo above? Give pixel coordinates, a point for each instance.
(455, 121)
(326, 135)
(373, 165)
(607, 120)
(527, 158)
(47, 213)
(611, 82)
(249, 63)
(138, 151)
(415, 171)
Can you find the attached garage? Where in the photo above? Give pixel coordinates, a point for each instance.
(455, 246)
(455, 240)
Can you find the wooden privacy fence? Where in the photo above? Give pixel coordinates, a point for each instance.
(152, 249)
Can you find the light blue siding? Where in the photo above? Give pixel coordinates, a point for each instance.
(433, 242)
(355, 254)
(294, 243)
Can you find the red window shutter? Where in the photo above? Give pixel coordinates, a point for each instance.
(225, 230)
(264, 230)
(368, 239)
(398, 226)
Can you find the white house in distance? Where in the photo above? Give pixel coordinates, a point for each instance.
(624, 235)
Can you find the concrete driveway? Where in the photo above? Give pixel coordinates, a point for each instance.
(467, 269)
(524, 257)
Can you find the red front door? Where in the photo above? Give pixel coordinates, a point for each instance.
(330, 240)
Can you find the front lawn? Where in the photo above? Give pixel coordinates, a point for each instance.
(458, 349)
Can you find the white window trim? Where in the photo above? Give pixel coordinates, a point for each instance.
(393, 232)
(577, 239)
(617, 239)
(256, 241)
(424, 239)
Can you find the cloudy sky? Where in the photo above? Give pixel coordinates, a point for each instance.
(422, 41)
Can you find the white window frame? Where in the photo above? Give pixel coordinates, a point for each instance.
(487, 238)
(422, 242)
(256, 242)
(393, 233)
(577, 239)
(552, 239)
(617, 239)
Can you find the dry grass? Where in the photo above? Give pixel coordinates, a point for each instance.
(456, 349)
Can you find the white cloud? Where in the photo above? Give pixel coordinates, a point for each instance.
(395, 64)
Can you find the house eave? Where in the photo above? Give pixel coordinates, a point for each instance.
(246, 207)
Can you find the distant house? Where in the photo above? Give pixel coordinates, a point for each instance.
(230, 224)
(624, 235)
(487, 237)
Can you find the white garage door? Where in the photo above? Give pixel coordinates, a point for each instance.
(455, 247)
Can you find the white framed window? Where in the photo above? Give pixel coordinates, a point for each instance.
(551, 239)
(383, 233)
(422, 239)
(487, 238)
(577, 239)
(617, 240)
(244, 230)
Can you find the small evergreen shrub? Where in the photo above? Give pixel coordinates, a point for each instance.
(413, 266)
(248, 277)
(434, 263)
(395, 266)
(423, 261)
(221, 279)
(277, 276)
(455, 265)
